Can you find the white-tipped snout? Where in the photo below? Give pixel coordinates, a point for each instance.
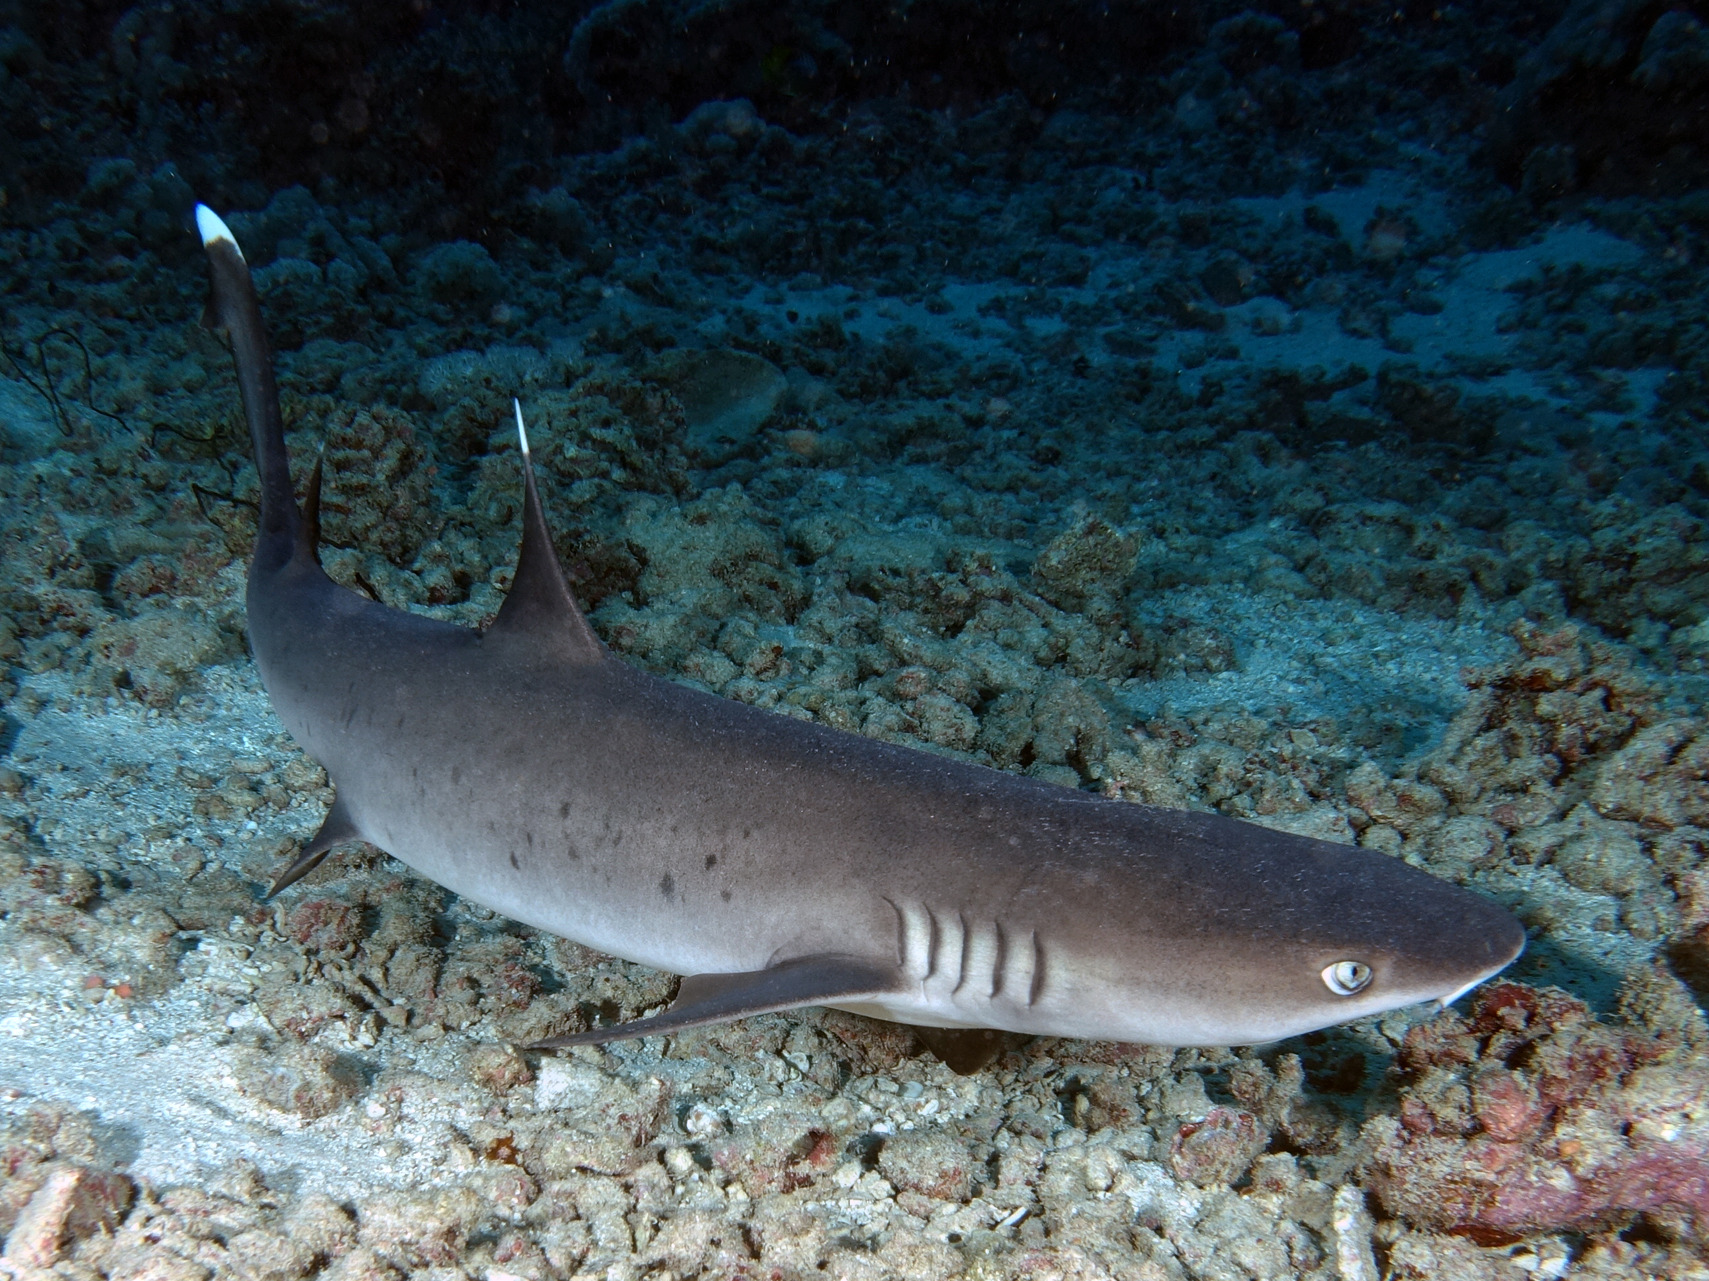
(212, 227)
(1445, 1001)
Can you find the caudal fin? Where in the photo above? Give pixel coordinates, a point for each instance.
(232, 306)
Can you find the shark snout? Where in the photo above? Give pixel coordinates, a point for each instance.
(1436, 955)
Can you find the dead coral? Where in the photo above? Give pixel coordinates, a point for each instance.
(1640, 567)
(56, 1196)
(1087, 565)
(1529, 1115)
(307, 1081)
(377, 495)
(160, 652)
(419, 1230)
(1519, 751)
(1572, 763)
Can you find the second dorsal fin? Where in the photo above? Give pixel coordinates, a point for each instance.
(308, 533)
(540, 606)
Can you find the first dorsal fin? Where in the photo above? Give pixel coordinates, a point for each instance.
(540, 605)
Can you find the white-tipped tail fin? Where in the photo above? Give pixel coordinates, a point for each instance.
(213, 228)
(521, 431)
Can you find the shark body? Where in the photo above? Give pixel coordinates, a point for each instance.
(779, 863)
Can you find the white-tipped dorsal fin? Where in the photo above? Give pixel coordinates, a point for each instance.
(540, 608)
(213, 228)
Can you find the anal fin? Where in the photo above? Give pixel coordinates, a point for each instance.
(704, 999)
(335, 830)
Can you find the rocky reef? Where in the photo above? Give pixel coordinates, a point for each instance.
(1295, 412)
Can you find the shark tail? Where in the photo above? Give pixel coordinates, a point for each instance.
(232, 306)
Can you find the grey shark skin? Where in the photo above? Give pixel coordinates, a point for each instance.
(779, 863)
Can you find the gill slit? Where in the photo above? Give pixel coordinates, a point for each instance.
(901, 934)
(966, 946)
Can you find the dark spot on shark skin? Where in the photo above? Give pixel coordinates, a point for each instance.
(572, 853)
(564, 810)
(711, 861)
(513, 861)
(725, 895)
(747, 833)
(400, 720)
(617, 839)
(667, 886)
(456, 775)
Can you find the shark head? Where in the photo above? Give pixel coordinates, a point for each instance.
(1389, 941)
(1278, 935)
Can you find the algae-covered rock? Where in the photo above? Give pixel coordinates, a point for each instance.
(305, 1080)
(419, 1229)
(1599, 1122)
(1090, 559)
(161, 650)
(73, 1201)
(726, 395)
(929, 1162)
(460, 272)
(377, 493)
(27, 426)
(718, 548)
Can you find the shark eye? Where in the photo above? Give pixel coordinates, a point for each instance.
(1344, 978)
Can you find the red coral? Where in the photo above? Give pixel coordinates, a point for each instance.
(1575, 1123)
(324, 925)
(1219, 1148)
(1506, 1105)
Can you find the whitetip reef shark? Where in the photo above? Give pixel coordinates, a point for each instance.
(779, 863)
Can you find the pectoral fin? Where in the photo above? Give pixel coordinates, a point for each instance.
(337, 828)
(717, 998)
